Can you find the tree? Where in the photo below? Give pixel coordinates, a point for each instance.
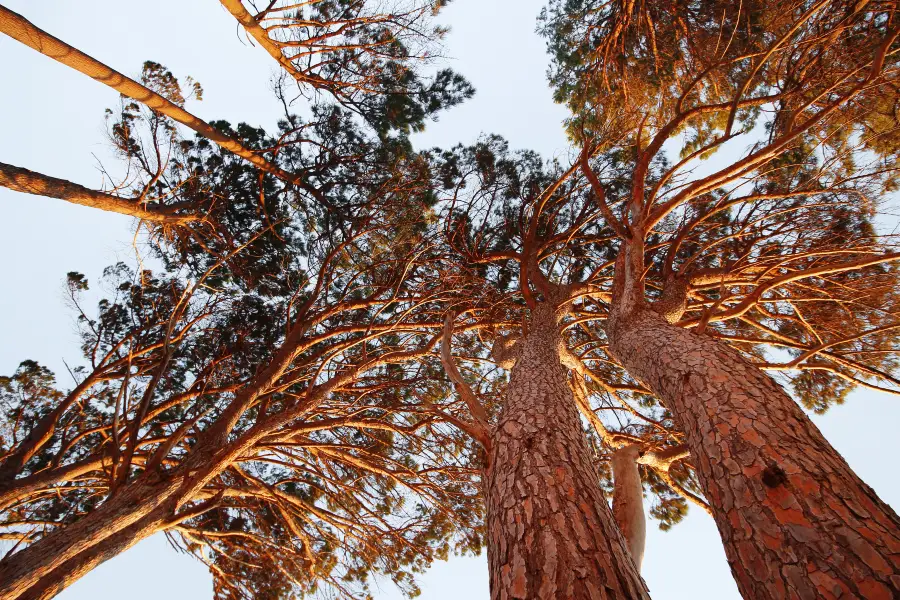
(365, 55)
(546, 506)
(711, 270)
(402, 100)
(623, 285)
(261, 401)
(271, 429)
(255, 396)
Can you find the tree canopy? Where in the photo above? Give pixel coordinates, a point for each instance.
(307, 393)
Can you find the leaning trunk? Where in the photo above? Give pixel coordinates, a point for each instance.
(795, 520)
(151, 498)
(550, 531)
(75, 568)
(59, 559)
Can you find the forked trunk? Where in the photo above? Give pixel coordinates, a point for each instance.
(795, 520)
(550, 531)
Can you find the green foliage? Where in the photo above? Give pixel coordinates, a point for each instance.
(25, 396)
(189, 337)
(371, 58)
(352, 265)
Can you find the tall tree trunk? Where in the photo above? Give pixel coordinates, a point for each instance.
(550, 531)
(58, 559)
(628, 500)
(795, 520)
(75, 568)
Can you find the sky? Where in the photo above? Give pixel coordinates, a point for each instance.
(51, 120)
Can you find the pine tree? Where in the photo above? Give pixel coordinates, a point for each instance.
(253, 400)
(626, 284)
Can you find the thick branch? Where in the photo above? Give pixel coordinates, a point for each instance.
(22, 30)
(462, 388)
(673, 302)
(30, 182)
(661, 460)
(600, 193)
(506, 350)
(628, 500)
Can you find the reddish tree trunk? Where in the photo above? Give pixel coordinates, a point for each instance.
(796, 521)
(74, 569)
(60, 558)
(550, 531)
(628, 501)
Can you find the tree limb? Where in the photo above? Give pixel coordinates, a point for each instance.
(30, 182)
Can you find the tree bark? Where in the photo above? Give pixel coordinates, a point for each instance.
(795, 520)
(628, 501)
(550, 533)
(46, 563)
(74, 569)
(30, 182)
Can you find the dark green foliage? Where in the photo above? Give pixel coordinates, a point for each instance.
(381, 486)
(371, 58)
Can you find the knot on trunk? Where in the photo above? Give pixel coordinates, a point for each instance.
(673, 302)
(506, 350)
(773, 476)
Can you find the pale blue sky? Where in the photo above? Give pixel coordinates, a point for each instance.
(51, 120)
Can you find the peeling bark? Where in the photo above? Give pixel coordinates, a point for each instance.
(796, 521)
(628, 500)
(550, 532)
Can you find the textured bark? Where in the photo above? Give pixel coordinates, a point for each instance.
(74, 569)
(150, 499)
(30, 182)
(44, 563)
(795, 520)
(673, 302)
(628, 500)
(550, 531)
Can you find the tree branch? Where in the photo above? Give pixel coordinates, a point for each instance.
(462, 388)
(30, 182)
(20, 29)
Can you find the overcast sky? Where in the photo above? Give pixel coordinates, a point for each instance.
(51, 120)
